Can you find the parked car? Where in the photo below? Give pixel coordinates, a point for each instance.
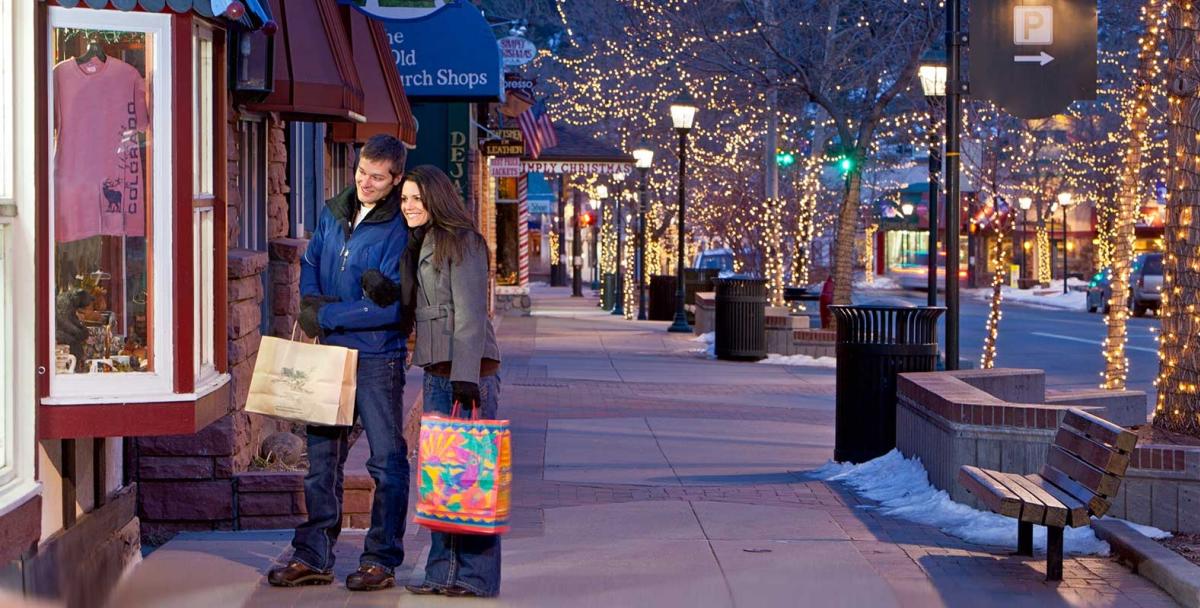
(1145, 283)
(720, 259)
(1099, 291)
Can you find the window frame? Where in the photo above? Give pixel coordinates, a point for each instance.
(204, 203)
(128, 386)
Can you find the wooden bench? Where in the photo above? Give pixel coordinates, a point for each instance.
(1083, 471)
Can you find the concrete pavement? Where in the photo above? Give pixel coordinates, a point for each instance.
(647, 475)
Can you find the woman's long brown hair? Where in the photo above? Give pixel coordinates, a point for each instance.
(449, 220)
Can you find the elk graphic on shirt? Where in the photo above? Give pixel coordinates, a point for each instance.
(112, 195)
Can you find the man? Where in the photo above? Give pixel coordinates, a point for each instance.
(359, 229)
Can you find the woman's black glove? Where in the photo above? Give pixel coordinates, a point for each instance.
(380, 289)
(310, 308)
(466, 393)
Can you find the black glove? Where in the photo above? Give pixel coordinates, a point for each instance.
(380, 289)
(310, 307)
(466, 393)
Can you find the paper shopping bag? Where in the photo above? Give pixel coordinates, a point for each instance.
(302, 382)
(465, 469)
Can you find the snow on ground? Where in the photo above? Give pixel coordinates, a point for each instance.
(773, 359)
(1039, 297)
(710, 343)
(902, 488)
(881, 283)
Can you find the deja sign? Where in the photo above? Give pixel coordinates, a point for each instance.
(450, 54)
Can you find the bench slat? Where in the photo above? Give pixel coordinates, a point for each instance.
(1088, 476)
(1033, 510)
(1100, 429)
(1077, 512)
(1055, 512)
(993, 495)
(1096, 454)
(1097, 505)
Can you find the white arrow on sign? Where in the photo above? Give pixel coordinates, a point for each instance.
(1042, 58)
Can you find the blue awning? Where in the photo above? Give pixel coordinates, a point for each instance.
(256, 14)
(449, 55)
(541, 194)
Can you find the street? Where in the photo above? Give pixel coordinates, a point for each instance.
(1064, 343)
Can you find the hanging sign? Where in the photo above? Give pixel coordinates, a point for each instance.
(517, 50)
(452, 54)
(567, 166)
(505, 166)
(513, 82)
(398, 10)
(511, 143)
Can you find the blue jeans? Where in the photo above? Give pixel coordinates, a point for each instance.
(470, 561)
(379, 405)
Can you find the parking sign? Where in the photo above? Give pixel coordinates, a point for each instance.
(1033, 59)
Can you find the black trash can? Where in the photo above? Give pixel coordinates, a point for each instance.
(662, 298)
(608, 291)
(741, 319)
(874, 344)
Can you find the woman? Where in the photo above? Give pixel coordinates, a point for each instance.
(444, 273)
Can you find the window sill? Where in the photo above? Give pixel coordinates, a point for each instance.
(135, 416)
(17, 493)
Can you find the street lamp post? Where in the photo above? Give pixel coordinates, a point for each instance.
(1065, 200)
(954, 41)
(1024, 203)
(597, 205)
(619, 280)
(683, 115)
(577, 248)
(643, 155)
(933, 84)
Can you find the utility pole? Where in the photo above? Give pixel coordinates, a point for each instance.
(954, 91)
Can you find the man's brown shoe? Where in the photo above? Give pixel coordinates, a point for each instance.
(370, 578)
(295, 574)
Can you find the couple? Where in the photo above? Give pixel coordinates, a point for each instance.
(396, 250)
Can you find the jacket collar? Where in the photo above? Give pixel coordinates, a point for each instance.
(427, 246)
(344, 207)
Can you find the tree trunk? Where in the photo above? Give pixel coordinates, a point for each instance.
(988, 359)
(1179, 366)
(843, 259)
(1116, 364)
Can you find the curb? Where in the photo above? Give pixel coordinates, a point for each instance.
(1165, 568)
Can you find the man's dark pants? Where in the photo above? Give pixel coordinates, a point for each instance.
(379, 405)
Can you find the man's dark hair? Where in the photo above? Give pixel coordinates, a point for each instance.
(383, 147)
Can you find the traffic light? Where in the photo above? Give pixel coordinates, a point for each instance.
(783, 158)
(845, 164)
(586, 218)
(843, 156)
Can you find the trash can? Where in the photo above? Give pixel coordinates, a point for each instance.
(874, 344)
(662, 298)
(741, 319)
(609, 291)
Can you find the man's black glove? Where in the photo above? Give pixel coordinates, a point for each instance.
(380, 289)
(310, 307)
(466, 393)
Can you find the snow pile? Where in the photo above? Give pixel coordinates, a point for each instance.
(902, 488)
(881, 283)
(1040, 297)
(773, 359)
(709, 339)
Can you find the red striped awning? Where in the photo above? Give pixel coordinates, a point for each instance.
(386, 107)
(249, 13)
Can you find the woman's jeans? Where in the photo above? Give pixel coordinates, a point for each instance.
(469, 561)
(379, 405)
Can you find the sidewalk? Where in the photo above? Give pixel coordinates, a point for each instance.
(646, 475)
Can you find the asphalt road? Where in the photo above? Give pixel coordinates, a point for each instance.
(1064, 343)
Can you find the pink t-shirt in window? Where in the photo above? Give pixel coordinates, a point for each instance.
(99, 108)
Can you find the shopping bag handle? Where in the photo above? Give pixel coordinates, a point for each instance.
(295, 325)
(456, 411)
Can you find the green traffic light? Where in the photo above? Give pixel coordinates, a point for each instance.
(784, 159)
(846, 164)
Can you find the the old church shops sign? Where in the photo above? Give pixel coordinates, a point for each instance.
(450, 54)
(567, 166)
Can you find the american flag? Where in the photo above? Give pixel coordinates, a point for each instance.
(537, 130)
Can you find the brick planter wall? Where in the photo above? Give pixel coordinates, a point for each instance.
(815, 342)
(1162, 488)
(781, 327)
(951, 419)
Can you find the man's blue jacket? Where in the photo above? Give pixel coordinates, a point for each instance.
(333, 265)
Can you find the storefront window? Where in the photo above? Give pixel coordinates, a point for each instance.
(203, 351)
(6, 359)
(110, 193)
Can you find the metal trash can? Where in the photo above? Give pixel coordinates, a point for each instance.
(741, 319)
(874, 344)
(662, 298)
(608, 291)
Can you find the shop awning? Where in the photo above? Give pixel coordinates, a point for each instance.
(315, 75)
(387, 109)
(254, 17)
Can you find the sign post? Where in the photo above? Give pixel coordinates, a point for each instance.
(1033, 60)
